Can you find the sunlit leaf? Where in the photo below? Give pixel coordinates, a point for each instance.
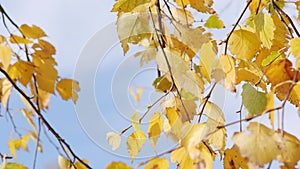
(297, 3)
(132, 28)
(117, 165)
(259, 146)
(254, 5)
(281, 34)
(273, 57)
(157, 163)
(193, 135)
(181, 156)
(214, 22)
(289, 149)
(155, 128)
(270, 105)
(18, 39)
(132, 5)
(208, 54)
(10, 165)
(63, 163)
(204, 6)
(22, 71)
(5, 91)
(182, 16)
(79, 165)
(174, 121)
(215, 118)
(264, 27)
(135, 142)
(232, 159)
(295, 47)
(184, 78)
(33, 31)
(5, 56)
(114, 140)
(135, 122)
(67, 89)
(254, 101)
(16, 144)
(244, 44)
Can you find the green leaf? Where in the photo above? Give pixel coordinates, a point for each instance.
(214, 22)
(273, 57)
(254, 101)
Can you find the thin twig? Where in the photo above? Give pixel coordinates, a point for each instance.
(235, 25)
(206, 100)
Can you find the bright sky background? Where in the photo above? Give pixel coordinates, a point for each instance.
(69, 25)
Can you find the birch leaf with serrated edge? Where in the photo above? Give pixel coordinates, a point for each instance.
(155, 128)
(135, 142)
(264, 27)
(33, 32)
(254, 101)
(259, 146)
(244, 44)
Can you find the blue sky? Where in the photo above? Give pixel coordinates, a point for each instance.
(70, 24)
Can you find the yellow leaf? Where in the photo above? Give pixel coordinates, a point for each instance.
(136, 96)
(5, 56)
(162, 84)
(215, 118)
(182, 157)
(193, 135)
(135, 121)
(297, 3)
(5, 91)
(194, 38)
(157, 163)
(21, 70)
(232, 159)
(155, 128)
(114, 140)
(254, 5)
(226, 70)
(28, 116)
(63, 163)
(44, 46)
(295, 46)
(33, 32)
(2, 39)
(168, 131)
(18, 39)
(270, 105)
(259, 147)
(67, 89)
(254, 101)
(207, 156)
(289, 149)
(204, 6)
(214, 22)
(132, 5)
(264, 27)
(16, 144)
(174, 121)
(184, 78)
(208, 54)
(135, 142)
(281, 34)
(137, 28)
(182, 16)
(244, 44)
(79, 165)
(117, 165)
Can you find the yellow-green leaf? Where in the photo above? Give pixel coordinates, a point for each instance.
(33, 32)
(214, 22)
(254, 101)
(259, 147)
(67, 89)
(273, 57)
(114, 140)
(155, 128)
(135, 122)
(295, 47)
(244, 44)
(117, 165)
(16, 144)
(18, 39)
(10, 165)
(157, 163)
(5, 56)
(135, 142)
(264, 27)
